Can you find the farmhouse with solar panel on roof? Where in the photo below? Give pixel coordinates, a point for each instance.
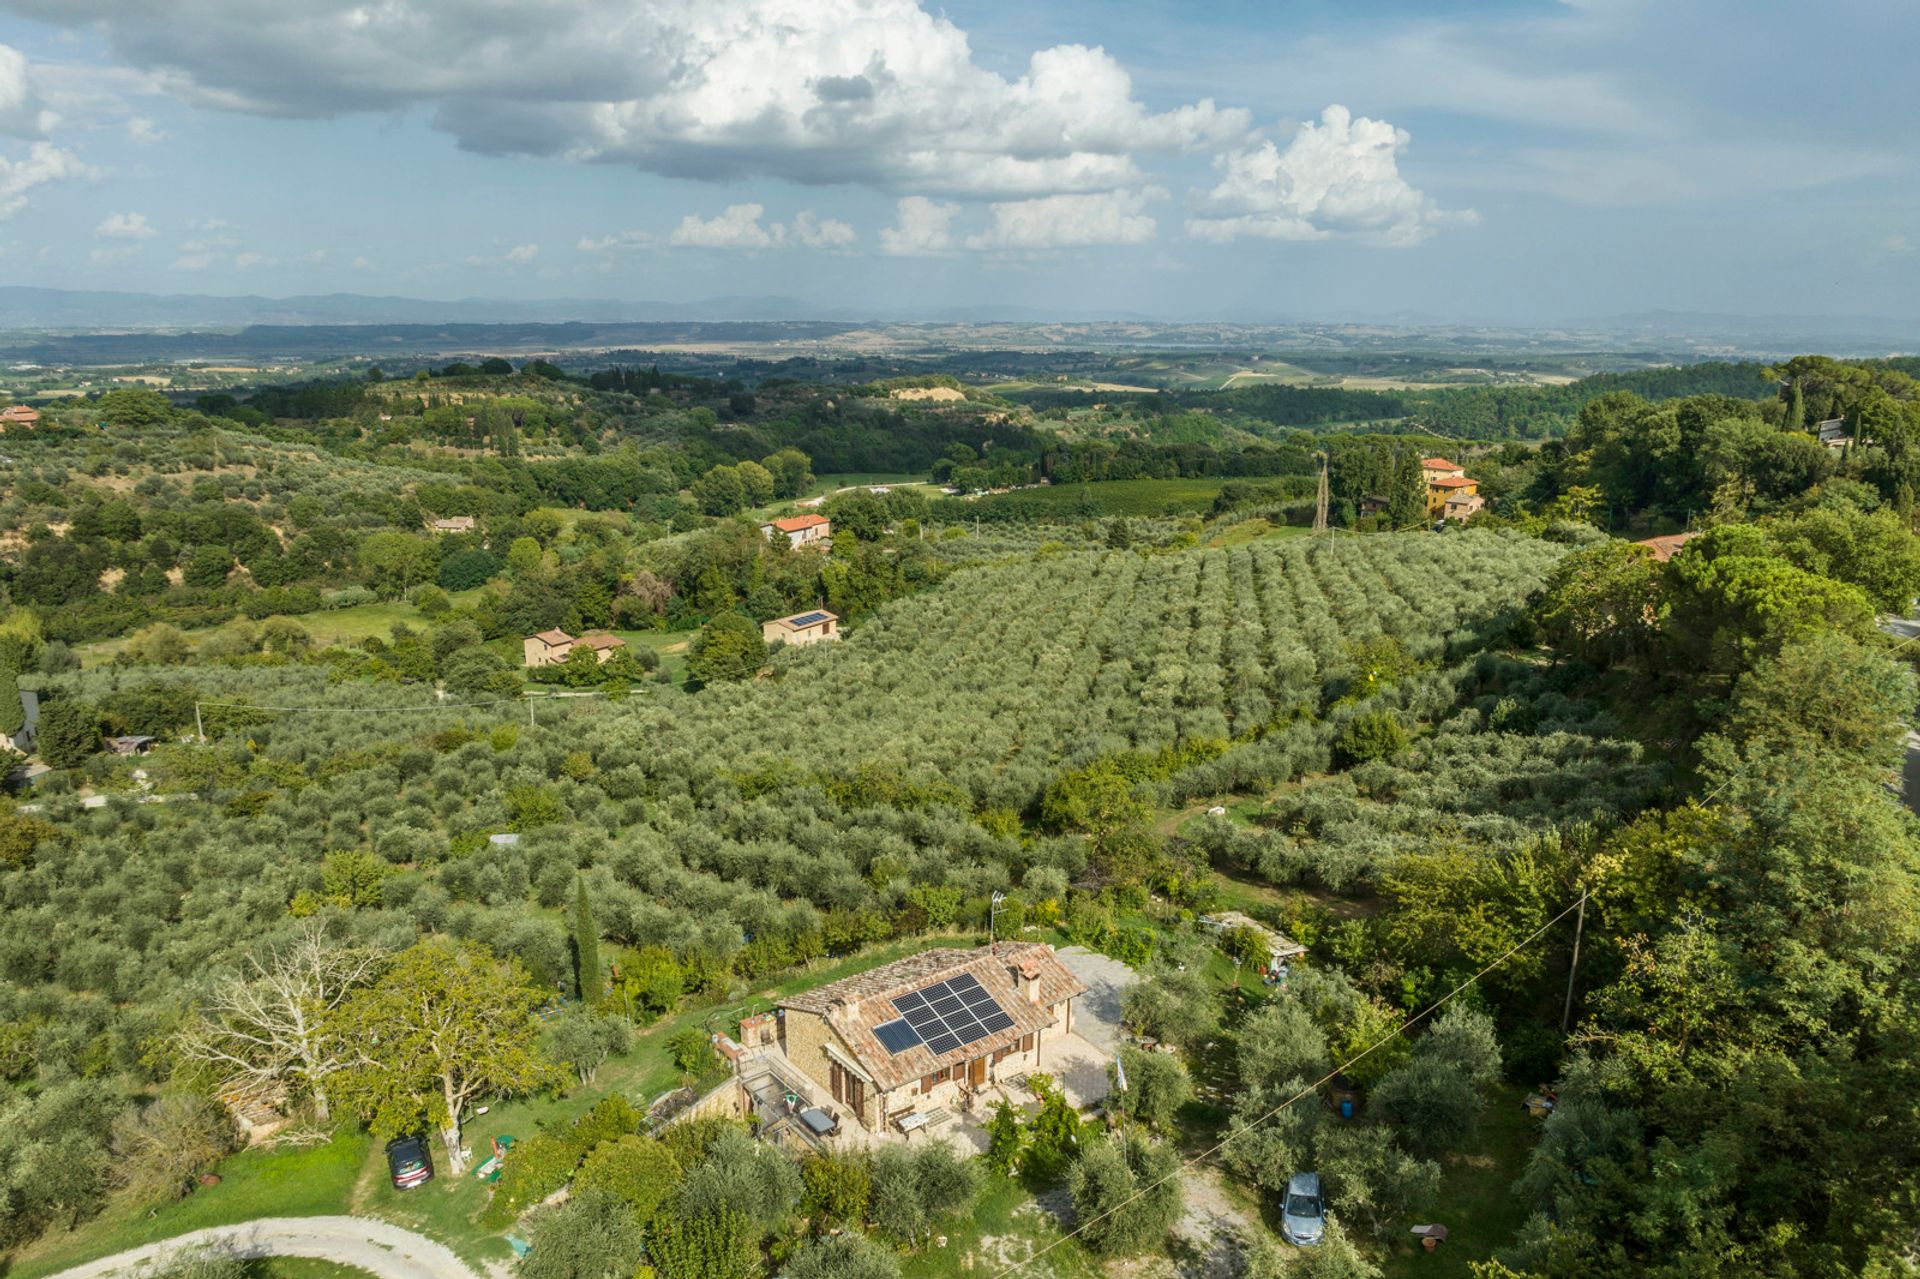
(899, 1048)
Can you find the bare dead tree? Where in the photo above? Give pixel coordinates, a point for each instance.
(268, 1026)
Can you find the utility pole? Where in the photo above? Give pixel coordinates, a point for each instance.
(1573, 968)
(199, 729)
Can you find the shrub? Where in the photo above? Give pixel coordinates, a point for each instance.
(1365, 738)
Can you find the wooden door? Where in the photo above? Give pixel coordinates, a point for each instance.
(977, 1072)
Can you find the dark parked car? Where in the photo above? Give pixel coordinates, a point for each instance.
(409, 1162)
(1303, 1218)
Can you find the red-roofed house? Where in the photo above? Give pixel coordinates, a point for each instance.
(1453, 497)
(18, 415)
(799, 530)
(1438, 468)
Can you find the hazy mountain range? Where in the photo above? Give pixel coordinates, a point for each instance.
(46, 323)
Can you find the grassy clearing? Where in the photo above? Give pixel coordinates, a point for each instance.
(1255, 530)
(336, 626)
(1006, 1226)
(302, 1268)
(1112, 497)
(1476, 1201)
(254, 1183)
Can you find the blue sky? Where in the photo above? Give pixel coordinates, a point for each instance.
(1515, 160)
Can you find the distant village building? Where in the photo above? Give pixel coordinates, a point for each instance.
(550, 648)
(1451, 493)
(1664, 548)
(799, 530)
(1454, 497)
(1833, 433)
(603, 645)
(129, 745)
(802, 628)
(896, 1042)
(456, 524)
(18, 416)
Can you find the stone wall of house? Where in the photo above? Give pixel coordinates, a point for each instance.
(807, 1036)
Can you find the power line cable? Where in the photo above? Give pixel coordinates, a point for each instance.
(1308, 1091)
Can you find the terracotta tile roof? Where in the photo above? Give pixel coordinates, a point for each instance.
(855, 1005)
(20, 413)
(1439, 464)
(601, 641)
(1663, 548)
(554, 637)
(1452, 482)
(794, 523)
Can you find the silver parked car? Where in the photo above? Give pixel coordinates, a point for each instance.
(1303, 1218)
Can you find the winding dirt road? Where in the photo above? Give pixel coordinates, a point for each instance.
(385, 1250)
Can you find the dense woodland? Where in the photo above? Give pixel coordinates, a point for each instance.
(1433, 745)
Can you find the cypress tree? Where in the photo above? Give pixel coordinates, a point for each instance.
(1796, 410)
(586, 946)
(1406, 489)
(13, 716)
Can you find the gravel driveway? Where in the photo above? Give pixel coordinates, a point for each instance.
(1096, 1014)
(386, 1250)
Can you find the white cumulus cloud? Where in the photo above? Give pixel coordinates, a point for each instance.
(126, 226)
(739, 227)
(43, 163)
(518, 255)
(618, 242)
(921, 228)
(23, 114)
(1068, 221)
(829, 234)
(1340, 177)
(878, 92)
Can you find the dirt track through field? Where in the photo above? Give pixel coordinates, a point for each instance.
(375, 1246)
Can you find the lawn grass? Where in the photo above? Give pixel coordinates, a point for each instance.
(1110, 497)
(329, 626)
(1005, 1226)
(1255, 530)
(305, 1182)
(302, 1268)
(1475, 1201)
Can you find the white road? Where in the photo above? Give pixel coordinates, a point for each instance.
(375, 1246)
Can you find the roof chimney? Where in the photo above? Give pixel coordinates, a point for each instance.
(1026, 979)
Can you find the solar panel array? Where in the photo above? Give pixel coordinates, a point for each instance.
(944, 1016)
(896, 1036)
(808, 619)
